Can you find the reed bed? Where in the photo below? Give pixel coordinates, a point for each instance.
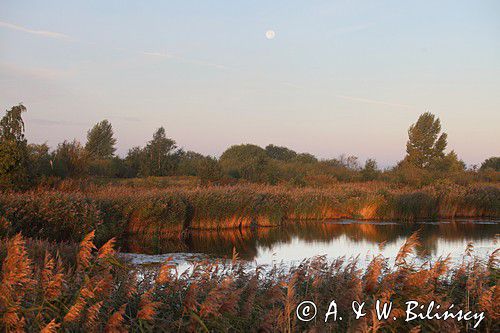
(49, 287)
(115, 210)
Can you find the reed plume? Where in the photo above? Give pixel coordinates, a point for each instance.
(85, 252)
(52, 278)
(165, 274)
(16, 283)
(115, 322)
(51, 327)
(108, 249)
(147, 307)
(407, 249)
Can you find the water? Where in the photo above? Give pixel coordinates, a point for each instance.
(296, 241)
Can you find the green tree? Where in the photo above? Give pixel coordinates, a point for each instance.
(70, 159)
(280, 153)
(40, 160)
(370, 171)
(245, 161)
(14, 156)
(195, 164)
(159, 157)
(133, 161)
(305, 158)
(425, 143)
(491, 163)
(450, 163)
(100, 141)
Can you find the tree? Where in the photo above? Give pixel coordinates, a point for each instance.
(449, 164)
(159, 156)
(14, 156)
(40, 160)
(100, 141)
(280, 153)
(491, 163)
(425, 143)
(70, 159)
(195, 164)
(133, 161)
(245, 161)
(370, 171)
(305, 158)
(12, 124)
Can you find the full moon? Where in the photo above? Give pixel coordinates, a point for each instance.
(270, 34)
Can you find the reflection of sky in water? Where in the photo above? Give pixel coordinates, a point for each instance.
(298, 241)
(297, 250)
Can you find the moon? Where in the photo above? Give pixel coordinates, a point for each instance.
(270, 34)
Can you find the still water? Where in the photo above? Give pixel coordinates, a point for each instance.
(296, 241)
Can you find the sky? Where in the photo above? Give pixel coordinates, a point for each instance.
(338, 76)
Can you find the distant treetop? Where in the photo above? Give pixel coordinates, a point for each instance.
(100, 141)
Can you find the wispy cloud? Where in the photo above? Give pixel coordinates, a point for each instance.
(49, 122)
(43, 33)
(35, 72)
(157, 54)
(127, 118)
(169, 55)
(373, 101)
(58, 35)
(204, 63)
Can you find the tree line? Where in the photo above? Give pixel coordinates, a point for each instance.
(24, 164)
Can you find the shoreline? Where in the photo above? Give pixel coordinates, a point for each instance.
(113, 211)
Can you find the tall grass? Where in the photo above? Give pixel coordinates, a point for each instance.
(52, 215)
(116, 210)
(90, 290)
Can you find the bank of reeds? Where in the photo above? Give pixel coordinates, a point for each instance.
(49, 288)
(115, 210)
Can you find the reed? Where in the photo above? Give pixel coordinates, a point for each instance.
(92, 291)
(113, 211)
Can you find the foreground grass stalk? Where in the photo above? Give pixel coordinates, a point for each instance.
(100, 293)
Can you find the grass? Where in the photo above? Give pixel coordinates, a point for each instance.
(113, 210)
(63, 287)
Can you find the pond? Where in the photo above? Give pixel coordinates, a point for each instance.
(296, 241)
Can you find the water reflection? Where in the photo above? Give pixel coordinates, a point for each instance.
(298, 240)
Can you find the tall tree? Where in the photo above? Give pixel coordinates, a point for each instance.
(370, 171)
(70, 159)
(245, 161)
(40, 160)
(12, 124)
(14, 156)
(159, 155)
(491, 163)
(133, 161)
(425, 143)
(280, 153)
(100, 141)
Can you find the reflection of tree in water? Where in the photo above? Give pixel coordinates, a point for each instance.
(248, 240)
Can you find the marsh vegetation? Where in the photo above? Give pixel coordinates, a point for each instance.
(65, 212)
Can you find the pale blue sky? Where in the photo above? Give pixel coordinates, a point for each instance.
(339, 77)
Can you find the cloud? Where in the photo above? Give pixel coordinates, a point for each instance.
(58, 35)
(48, 122)
(157, 54)
(166, 55)
(35, 72)
(127, 118)
(185, 59)
(43, 33)
(290, 84)
(204, 63)
(373, 101)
